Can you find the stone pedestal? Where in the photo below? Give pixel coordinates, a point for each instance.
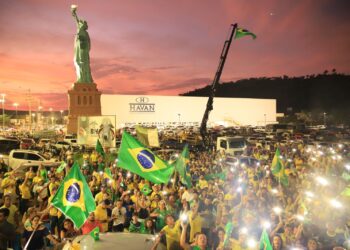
(84, 99)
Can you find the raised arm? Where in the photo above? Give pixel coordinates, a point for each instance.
(74, 14)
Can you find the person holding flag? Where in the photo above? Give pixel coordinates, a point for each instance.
(73, 198)
(277, 168)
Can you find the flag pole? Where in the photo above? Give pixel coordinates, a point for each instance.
(30, 238)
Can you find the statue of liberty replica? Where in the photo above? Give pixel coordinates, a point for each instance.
(81, 49)
(84, 99)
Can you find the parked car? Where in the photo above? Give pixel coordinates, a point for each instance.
(24, 167)
(19, 156)
(6, 145)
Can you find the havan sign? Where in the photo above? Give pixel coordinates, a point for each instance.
(142, 105)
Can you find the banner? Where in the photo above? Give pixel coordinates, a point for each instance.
(147, 136)
(91, 128)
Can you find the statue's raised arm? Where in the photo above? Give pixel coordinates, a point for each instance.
(81, 49)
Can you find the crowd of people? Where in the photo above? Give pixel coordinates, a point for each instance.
(228, 206)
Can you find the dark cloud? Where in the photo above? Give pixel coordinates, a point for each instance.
(108, 67)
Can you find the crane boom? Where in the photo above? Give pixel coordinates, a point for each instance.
(203, 128)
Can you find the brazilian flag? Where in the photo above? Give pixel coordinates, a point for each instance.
(73, 198)
(243, 32)
(277, 168)
(181, 167)
(99, 148)
(133, 156)
(95, 233)
(108, 174)
(265, 243)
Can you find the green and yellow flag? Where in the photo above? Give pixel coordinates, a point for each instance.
(181, 167)
(146, 190)
(108, 175)
(95, 233)
(61, 167)
(265, 243)
(277, 168)
(133, 156)
(228, 232)
(99, 148)
(243, 32)
(73, 198)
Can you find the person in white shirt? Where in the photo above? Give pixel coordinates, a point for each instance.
(118, 216)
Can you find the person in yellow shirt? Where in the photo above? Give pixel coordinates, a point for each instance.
(172, 232)
(53, 184)
(195, 221)
(8, 184)
(54, 214)
(94, 156)
(98, 177)
(94, 186)
(201, 242)
(103, 195)
(101, 214)
(156, 191)
(202, 183)
(37, 178)
(30, 174)
(141, 184)
(136, 196)
(13, 217)
(26, 195)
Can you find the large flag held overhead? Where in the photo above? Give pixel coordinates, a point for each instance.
(277, 168)
(73, 198)
(181, 167)
(265, 243)
(133, 156)
(243, 32)
(99, 148)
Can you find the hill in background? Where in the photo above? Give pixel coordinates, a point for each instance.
(317, 94)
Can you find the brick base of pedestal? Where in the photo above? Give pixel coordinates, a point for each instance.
(84, 99)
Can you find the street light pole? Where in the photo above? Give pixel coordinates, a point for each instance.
(324, 118)
(16, 106)
(51, 116)
(3, 111)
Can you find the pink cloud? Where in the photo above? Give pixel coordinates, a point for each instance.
(167, 47)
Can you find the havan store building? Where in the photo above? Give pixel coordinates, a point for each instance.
(188, 111)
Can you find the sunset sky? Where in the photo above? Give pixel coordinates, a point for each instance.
(165, 47)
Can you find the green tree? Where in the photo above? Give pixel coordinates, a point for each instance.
(6, 118)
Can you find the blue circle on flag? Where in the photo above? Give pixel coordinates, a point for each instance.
(73, 192)
(146, 159)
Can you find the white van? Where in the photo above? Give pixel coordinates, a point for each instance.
(231, 145)
(19, 157)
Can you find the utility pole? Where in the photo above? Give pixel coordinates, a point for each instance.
(29, 100)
